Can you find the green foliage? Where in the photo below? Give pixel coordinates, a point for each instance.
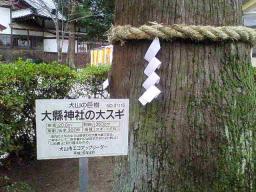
(93, 72)
(81, 12)
(90, 80)
(22, 82)
(101, 19)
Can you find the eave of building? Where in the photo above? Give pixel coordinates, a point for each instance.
(39, 11)
(248, 5)
(19, 26)
(43, 11)
(26, 18)
(25, 13)
(21, 13)
(66, 33)
(2, 27)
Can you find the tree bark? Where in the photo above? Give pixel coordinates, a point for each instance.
(71, 46)
(59, 49)
(168, 151)
(71, 40)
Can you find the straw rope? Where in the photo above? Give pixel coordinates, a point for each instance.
(187, 32)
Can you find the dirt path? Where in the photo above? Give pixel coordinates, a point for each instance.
(62, 175)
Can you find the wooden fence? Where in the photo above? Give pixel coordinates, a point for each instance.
(81, 59)
(89, 52)
(8, 55)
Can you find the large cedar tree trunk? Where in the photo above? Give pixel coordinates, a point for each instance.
(168, 150)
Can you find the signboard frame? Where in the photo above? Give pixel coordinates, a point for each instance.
(120, 113)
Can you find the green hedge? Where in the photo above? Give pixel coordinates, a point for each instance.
(21, 83)
(90, 81)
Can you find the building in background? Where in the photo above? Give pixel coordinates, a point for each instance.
(249, 16)
(28, 25)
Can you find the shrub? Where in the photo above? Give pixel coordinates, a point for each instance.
(89, 81)
(21, 83)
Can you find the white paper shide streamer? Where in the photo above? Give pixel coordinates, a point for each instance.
(105, 85)
(153, 79)
(253, 59)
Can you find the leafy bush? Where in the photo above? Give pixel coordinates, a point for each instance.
(89, 81)
(21, 83)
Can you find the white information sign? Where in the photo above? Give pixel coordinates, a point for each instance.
(81, 128)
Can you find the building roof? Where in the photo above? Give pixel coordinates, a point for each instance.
(43, 8)
(21, 13)
(2, 27)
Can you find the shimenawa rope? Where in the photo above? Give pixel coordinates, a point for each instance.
(180, 31)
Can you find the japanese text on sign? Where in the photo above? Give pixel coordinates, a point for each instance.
(81, 128)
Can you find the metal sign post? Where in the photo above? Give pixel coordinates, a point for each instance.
(83, 174)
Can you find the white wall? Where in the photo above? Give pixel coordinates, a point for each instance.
(5, 19)
(249, 20)
(50, 45)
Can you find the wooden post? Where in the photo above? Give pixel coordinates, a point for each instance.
(11, 37)
(11, 25)
(28, 46)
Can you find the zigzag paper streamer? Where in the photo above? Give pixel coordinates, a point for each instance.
(105, 85)
(152, 91)
(253, 60)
